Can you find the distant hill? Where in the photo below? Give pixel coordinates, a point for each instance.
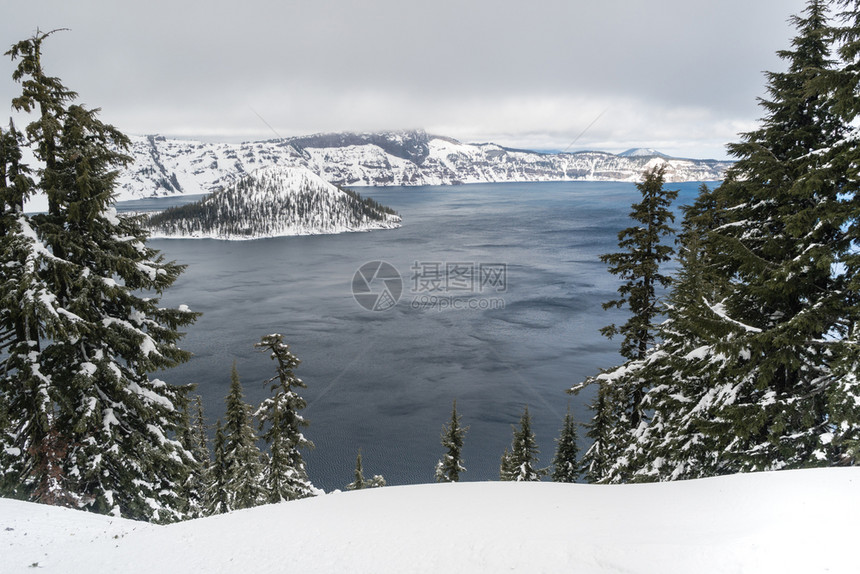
(270, 202)
(643, 152)
(164, 167)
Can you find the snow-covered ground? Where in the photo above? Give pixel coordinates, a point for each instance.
(783, 522)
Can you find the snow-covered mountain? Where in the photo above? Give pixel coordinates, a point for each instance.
(643, 152)
(786, 522)
(270, 202)
(164, 167)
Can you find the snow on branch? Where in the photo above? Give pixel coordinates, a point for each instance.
(720, 310)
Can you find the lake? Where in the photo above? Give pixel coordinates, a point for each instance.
(498, 307)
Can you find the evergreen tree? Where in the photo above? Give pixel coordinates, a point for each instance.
(843, 84)
(602, 430)
(618, 404)
(449, 468)
(360, 482)
(787, 313)
(506, 469)
(639, 266)
(520, 463)
(194, 440)
(565, 463)
(242, 460)
(756, 366)
(682, 367)
(15, 331)
(284, 477)
(199, 441)
(88, 425)
(217, 499)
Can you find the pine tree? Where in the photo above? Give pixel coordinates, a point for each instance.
(90, 427)
(17, 393)
(844, 81)
(787, 310)
(193, 439)
(565, 463)
(756, 366)
(683, 366)
(520, 463)
(358, 479)
(199, 441)
(217, 498)
(843, 397)
(618, 404)
(639, 266)
(602, 430)
(243, 467)
(360, 482)
(449, 468)
(506, 469)
(284, 477)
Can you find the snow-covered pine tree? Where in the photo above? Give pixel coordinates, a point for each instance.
(617, 406)
(758, 353)
(603, 430)
(359, 481)
(31, 451)
(217, 500)
(520, 463)
(565, 463)
(638, 265)
(506, 470)
(193, 438)
(448, 469)
(843, 82)
(16, 392)
(790, 314)
(199, 440)
(93, 430)
(285, 476)
(358, 478)
(682, 368)
(242, 459)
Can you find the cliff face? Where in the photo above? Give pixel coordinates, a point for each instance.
(164, 167)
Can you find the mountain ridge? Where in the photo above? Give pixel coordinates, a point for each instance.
(165, 167)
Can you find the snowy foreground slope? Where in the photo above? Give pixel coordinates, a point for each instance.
(782, 522)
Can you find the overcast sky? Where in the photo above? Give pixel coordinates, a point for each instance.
(681, 76)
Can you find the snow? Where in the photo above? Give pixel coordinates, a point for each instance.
(779, 522)
(202, 167)
(270, 207)
(698, 353)
(719, 310)
(110, 215)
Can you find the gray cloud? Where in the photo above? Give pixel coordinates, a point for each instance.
(679, 75)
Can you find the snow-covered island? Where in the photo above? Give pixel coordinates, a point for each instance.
(785, 522)
(272, 202)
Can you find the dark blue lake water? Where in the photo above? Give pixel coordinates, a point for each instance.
(523, 331)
